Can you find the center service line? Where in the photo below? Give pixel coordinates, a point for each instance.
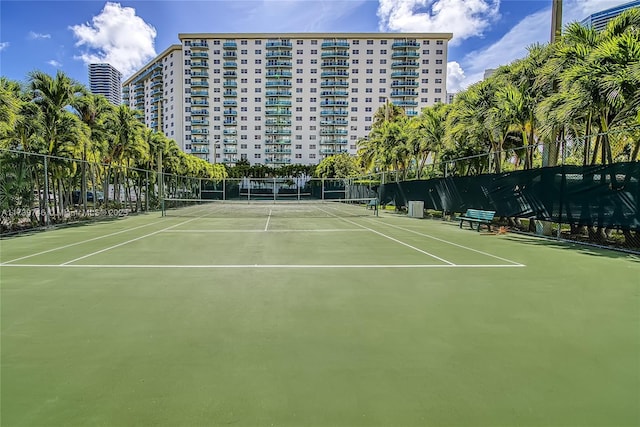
(266, 227)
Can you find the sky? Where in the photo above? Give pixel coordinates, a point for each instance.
(67, 35)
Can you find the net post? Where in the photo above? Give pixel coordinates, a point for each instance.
(249, 192)
(298, 188)
(224, 189)
(146, 194)
(322, 183)
(274, 189)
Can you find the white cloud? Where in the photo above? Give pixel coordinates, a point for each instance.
(463, 18)
(455, 77)
(54, 63)
(3, 46)
(118, 37)
(535, 28)
(35, 36)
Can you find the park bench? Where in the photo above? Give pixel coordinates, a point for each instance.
(478, 217)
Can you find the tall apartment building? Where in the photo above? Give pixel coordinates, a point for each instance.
(599, 20)
(277, 99)
(105, 80)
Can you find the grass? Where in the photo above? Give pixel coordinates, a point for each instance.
(259, 342)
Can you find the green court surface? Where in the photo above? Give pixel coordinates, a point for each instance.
(315, 316)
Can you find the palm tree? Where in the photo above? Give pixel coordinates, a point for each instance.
(388, 112)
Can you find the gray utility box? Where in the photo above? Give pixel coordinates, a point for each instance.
(416, 209)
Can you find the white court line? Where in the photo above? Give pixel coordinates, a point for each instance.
(389, 237)
(128, 241)
(314, 230)
(266, 227)
(455, 244)
(79, 243)
(283, 266)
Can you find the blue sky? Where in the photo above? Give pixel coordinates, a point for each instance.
(66, 35)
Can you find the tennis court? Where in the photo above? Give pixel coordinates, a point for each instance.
(313, 314)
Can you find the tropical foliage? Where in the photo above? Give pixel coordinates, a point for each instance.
(576, 101)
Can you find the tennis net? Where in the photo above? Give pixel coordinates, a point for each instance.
(338, 208)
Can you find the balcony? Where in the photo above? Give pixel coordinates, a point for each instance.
(278, 83)
(406, 54)
(229, 150)
(154, 108)
(411, 74)
(335, 54)
(334, 113)
(282, 103)
(334, 74)
(230, 93)
(278, 150)
(278, 93)
(199, 93)
(331, 151)
(406, 83)
(229, 141)
(411, 113)
(278, 74)
(156, 83)
(229, 45)
(229, 54)
(230, 83)
(230, 74)
(331, 44)
(200, 122)
(284, 44)
(336, 64)
(282, 64)
(334, 141)
(279, 54)
(200, 55)
(230, 112)
(199, 112)
(333, 132)
(202, 103)
(278, 141)
(199, 45)
(199, 84)
(200, 131)
(230, 103)
(154, 115)
(199, 150)
(278, 122)
(278, 112)
(409, 44)
(406, 103)
(199, 64)
(230, 64)
(138, 86)
(229, 132)
(199, 141)
(338, 93)
(155, 92)
(199, 74)
(334, 103)
(230, 122)
(403, 93)
(157, 74)
(405, 64)
(229, 159)
(282, 161)
(156, 99)
(278, 132)
(335, 122)
(332, 83)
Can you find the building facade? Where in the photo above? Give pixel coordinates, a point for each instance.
(105, 80)
(280, 99)
(599, 20)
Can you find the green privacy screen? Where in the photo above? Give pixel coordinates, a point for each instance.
(606, 196)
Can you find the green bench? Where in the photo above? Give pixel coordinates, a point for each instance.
(476, 216)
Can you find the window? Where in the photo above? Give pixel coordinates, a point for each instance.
(258, 61)
(369, 81)
(369, 61)
(425, 52)
(298, 146)
(243, 52)
(438, 70)
(312, 156)
(243, 146)
(299, 61)
(439, 52)
(437, 100)
(438, 90)
(367, 100)
(369, 41)
(298, 156)
(424, 90)
(425, 80)
(439, 61)
(383, 51)
(257, 146)
(382, 90)
(425, 71)
(439, 42)
(369, 51)
(425, 61)
(299, 52)
(437, 81)
(355, 51)
(383, 61)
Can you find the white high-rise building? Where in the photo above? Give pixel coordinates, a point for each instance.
(599, 20)
(288, 98)
(105, 80)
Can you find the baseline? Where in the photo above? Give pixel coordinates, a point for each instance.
(282, 266)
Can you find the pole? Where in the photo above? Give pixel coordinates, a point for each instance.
(146, 194)
(47, 219)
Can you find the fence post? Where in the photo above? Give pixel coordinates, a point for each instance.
(274, 189)
(322, 184)
(146, 194)
(47, 218)
(224, 189)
